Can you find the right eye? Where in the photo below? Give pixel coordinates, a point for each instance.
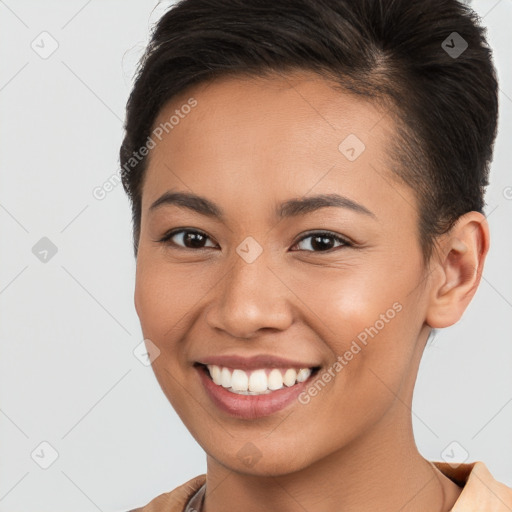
(190, 239)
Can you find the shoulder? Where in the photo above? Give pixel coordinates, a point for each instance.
(175, 500)
(481, 491)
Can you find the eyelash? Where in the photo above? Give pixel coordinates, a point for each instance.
(326, 234)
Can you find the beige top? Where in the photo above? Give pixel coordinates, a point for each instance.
(480, 493)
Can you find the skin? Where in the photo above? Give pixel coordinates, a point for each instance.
(248, 145)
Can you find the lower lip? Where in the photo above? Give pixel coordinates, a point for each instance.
(250, 407)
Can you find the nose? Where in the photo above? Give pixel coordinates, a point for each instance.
(251, 297)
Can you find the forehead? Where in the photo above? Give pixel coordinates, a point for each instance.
(293, 107)
(280, 135)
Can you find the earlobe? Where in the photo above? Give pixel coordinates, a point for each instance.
(462, 253)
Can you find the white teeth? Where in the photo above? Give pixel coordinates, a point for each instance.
(261, 381)
(240, 381)
(303, 374)
(225, 378)
(275, 380)
(257, 380)
(290, 377)
(215, 373)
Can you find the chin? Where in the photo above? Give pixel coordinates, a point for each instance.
(265, 462)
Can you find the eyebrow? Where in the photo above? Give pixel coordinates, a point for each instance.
(289, 208)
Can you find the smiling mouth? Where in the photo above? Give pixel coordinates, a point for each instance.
(261, 381)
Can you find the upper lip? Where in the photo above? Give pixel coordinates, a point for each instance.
(255, 362)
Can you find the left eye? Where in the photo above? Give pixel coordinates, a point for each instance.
(321, 241)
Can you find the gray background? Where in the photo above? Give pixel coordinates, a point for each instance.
(68, 324)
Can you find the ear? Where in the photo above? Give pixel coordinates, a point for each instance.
(457, 269)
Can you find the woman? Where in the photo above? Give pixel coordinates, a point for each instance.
(307, 184)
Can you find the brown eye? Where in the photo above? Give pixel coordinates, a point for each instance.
(186, 239)
(323, 241)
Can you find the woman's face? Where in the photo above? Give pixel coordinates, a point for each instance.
(256, 278)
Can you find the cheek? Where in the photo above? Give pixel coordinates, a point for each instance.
(348, 299)
(162, 309)
(371, 334)
(367, 317)
(164, 296)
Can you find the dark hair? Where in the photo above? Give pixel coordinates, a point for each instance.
(443, 96)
